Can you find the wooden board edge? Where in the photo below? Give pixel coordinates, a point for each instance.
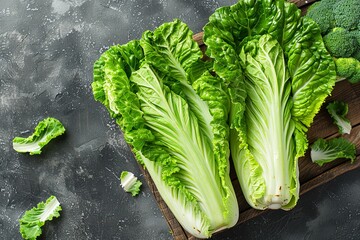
(198, 37)
(329, 175)
(175, 228)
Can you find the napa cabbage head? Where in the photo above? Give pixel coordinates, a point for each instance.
(278, 74)
(173, 113)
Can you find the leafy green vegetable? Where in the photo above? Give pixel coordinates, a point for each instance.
(278, 73)
(322, 14)
(44, 132)
(324, 151)
(348, 68)
(339, 21)
(356, 34)
(130, 183)
(340, 43)
(347, 14)
(33, 219)
(338, 111)
(173, 114)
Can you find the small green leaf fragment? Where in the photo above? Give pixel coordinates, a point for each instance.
(33, 219)
(338, 111)
(130, 183)
(44, 132)
(324, 151)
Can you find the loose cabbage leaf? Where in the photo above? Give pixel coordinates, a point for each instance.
(338, 111)
(324, 151)
(275, 89)
(130, 183)
(33, 219)
(173, 114)
(44, 132)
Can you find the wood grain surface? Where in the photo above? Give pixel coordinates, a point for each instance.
(311, 175)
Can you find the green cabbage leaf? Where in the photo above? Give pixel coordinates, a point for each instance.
(324, 151)
(278, 74)
(338, 111)
(130, 183)
(44, 132)
(33, 219)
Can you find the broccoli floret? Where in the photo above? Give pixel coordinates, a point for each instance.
(345, 67)
(356, 54)
(356, 34)
(348, 68)
(322, 14)
(347, 14)
(340, 42)
(339, 22)
(355, 78)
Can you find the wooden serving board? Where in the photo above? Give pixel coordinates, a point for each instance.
(311, 175)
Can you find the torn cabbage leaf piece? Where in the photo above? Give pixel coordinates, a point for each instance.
(338, 111)
(44, 132)
(324, 151)
(173, 114)
(278, 73)
(130, 183)
(33, 219)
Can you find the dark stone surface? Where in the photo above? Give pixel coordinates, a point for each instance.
(47, 49)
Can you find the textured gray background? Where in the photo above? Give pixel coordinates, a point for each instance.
(47, 49)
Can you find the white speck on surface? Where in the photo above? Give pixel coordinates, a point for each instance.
(60, 7)
(29, 8)
(80, 171)
(6, 12)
